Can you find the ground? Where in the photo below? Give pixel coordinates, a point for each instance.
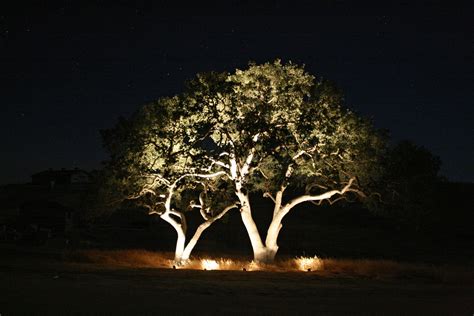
(46, 283)
(377, 268)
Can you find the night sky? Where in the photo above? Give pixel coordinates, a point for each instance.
(71, 68)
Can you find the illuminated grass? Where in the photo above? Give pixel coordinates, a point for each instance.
(209, 264)
(328, 267)
(309, 263)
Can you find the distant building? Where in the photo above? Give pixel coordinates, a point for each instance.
(48, 206)
(61, 177)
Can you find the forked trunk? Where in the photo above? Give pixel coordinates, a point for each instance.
(183, 251)
(192, 243)
(264, 253)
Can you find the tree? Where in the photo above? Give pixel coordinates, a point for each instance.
(271, 128)
(411, 174)
(154, 162)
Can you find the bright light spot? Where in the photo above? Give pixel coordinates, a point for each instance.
(253, 266)
(309, 263)
(208, 264)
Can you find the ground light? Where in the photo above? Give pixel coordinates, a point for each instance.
(308, 263)
(298, 264)
(209, 264)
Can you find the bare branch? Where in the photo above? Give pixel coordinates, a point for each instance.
(233, 168)
(182, 218)
(359, 192)
(310, 186)
(269, 195)
(320, 197)
(331, 202)
(301, 153)
(289, 171)
(205, 225)
(261, 172)
(140, 194)
(245, 168)
(219, 163)
(204, 211)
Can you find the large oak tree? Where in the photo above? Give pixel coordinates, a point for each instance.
(271, 128)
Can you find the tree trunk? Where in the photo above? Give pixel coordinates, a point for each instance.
(190, 246)
(266, 252)
(179, 251)
(258, 248)
(272, 236)
(180, 239)
(265, 255)
(201, 228)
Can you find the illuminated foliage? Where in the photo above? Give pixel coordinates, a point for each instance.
(270, 128)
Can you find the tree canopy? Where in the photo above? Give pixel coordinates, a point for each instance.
(268, 128)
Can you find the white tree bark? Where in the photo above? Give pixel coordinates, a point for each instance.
(201, 228)
(266, 252)
(281, 211)
(238, 173)
(252, 231)
(181, 236)
(183, 251)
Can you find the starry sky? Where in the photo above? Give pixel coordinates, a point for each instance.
(71, 68)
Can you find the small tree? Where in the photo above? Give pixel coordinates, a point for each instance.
(411, 174)
(155, 162)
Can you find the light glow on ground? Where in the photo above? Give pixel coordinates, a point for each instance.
(367, 268)
(296, 264)
(309, 263)
(209, 264)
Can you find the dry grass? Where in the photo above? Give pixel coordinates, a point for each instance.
(134, 258)
(328, 267)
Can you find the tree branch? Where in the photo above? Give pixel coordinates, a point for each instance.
(269, 195)
(261, 172)
(246, 167)
(201, 228)
(320, 197)
(219, 163)
(278, 200)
